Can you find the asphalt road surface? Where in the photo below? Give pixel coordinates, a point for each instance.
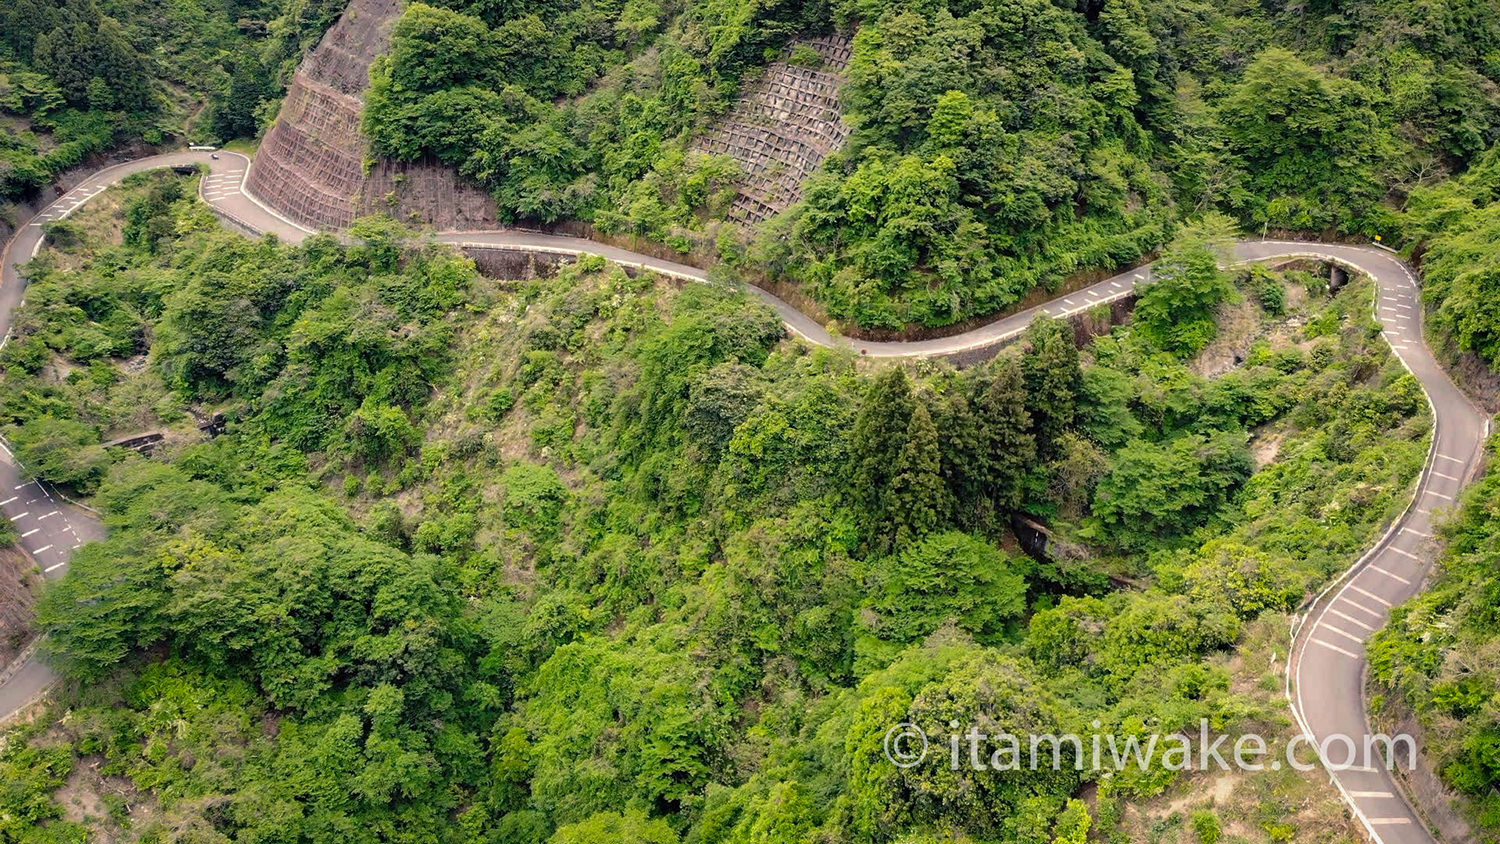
(1325, 668)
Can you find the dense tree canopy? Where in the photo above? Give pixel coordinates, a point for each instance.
(594, 558)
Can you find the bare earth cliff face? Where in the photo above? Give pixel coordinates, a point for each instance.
(17, 595)
(311, 166)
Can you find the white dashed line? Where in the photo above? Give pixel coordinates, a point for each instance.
(1351, 619)
(1371, 595)
(1346, 634)
(1349, 654)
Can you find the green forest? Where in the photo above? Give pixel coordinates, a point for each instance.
(79, 78)
(997, 146)
(594, 558)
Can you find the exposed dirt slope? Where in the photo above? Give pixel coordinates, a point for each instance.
(17, 597)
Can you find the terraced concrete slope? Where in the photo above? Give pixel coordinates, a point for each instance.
(311, 166)
(783, 127)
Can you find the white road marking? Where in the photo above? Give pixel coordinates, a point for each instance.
(53, 568)
(8, 500)
(1392, 575)
(1415, 532)
(1349, 654)
(1436, 473)
(30, 532)
(27, 484)
(43, 548)
(20, 516)
(49, 515)
(1443, 496)
(1371, 794)
(1371, 595)
(1389, 821)
(1351, 619)
(1346, 634)
(1404, 554)
(1454, 459)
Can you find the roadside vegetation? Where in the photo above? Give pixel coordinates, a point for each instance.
(1457, 225)
(1435, 660)
(600, 558)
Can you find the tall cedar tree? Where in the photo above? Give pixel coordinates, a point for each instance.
(961, 439)
(1052, 379)
(879, 434)
(915, 502)
(1009, 447)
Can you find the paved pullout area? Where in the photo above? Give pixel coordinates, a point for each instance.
(1326, 666)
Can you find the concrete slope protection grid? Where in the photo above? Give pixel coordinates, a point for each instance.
(1325, 667)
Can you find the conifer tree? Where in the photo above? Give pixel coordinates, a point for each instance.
(962, 444)
(915, 501)
(1009, 447)
(880, 433)
(1052, 379)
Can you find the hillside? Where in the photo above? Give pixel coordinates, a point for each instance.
(594, 558)
(991, 149)
(79, 77)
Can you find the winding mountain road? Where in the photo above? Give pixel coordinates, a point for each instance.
(1326, 665)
